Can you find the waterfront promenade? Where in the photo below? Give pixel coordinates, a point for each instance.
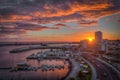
(36, 47)
(75, 68)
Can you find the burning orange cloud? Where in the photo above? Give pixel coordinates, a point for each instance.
(75, 7)
(54, 11)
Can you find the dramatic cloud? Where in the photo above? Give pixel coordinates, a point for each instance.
(21, 16)
(88, 23)
(48, 10)
(21, 28)
(59, 25)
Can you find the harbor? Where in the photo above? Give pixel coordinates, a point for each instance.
(51, 54)
(17, 50)
(39, 68)
(26, 67)
(39, 56)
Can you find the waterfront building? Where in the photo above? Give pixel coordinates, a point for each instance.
(113, 46)
(104, 46)
(98, 37)
(112, 52)
(98, 40)
(83, 44)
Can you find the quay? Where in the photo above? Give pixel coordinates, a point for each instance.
(32, 68)
(54, 54)
(36, 47)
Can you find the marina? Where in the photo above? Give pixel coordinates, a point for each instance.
(39, 69)
(27, 67)
(51, 54)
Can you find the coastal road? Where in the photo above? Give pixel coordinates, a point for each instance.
(104, 72)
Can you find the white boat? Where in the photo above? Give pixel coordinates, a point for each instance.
(20, 67)
(51, 68)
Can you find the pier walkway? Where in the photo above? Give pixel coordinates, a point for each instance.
(36, 47)
(75, 68)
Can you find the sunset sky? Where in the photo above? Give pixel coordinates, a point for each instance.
(58, 20)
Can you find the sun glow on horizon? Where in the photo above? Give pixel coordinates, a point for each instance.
(90, 39)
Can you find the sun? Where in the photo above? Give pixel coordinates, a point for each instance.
(90, 39)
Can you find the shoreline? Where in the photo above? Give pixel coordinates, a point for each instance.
(64, 78)
(17, 50)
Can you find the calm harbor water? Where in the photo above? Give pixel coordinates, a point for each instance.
(11, 59)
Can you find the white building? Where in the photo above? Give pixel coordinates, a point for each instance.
(104, 46)
(111, 46)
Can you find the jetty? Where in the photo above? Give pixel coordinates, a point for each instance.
(26, 67)
(36, 47)
(54, 54)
